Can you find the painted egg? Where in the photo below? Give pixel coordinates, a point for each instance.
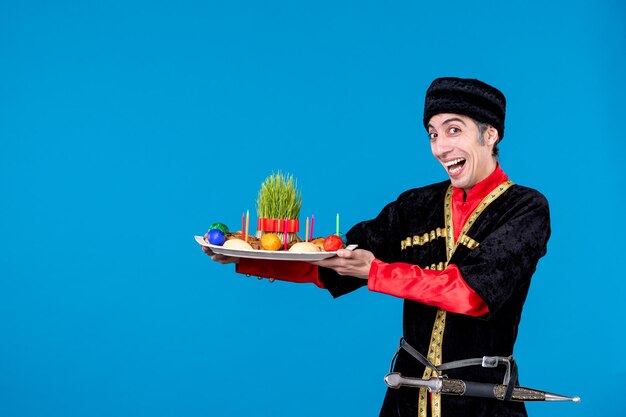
(219, 226)
(332, 243)
(216, 237)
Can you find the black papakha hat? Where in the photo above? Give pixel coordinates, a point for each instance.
(468, 97)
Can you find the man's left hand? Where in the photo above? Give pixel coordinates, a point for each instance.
(356, 263)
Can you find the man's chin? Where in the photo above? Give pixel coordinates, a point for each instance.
(458, 183)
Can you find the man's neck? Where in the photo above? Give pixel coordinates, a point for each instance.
(484, 186)
(495, 166)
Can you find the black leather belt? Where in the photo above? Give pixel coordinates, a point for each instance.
(485, 362)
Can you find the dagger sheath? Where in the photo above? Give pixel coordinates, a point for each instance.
(485, 390)
(473, 389)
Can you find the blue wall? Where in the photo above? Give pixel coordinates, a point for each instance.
(126, 127)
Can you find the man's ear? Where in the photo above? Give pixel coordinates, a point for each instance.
(491, 135)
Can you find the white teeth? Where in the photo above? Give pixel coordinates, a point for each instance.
(450, 163)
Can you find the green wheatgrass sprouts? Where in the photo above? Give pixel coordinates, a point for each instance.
(279, 198)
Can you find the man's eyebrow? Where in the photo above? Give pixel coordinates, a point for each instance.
(450, 120)
(453, 119)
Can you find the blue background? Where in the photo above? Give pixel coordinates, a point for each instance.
(126, 127)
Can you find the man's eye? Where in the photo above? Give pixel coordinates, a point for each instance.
(432, 136)
(454, 130)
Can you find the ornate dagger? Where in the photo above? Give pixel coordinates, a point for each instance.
(472, 389)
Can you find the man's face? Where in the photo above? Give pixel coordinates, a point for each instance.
(455, 141)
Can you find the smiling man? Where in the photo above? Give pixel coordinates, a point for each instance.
(464, 148)
(460, 253)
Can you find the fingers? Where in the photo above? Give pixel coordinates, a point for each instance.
(343, 253)
(354, 263)
(343, 259)
(342, 266)
(327, 263)
(224, 259)
(219, 258)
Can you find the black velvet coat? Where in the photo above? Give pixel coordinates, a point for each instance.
(512, 233)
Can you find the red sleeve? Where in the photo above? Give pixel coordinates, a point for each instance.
(444, 289)
(291, 271)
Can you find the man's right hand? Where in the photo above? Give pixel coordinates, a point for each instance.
(222, 259)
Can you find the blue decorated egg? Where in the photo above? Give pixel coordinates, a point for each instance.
(216, 237)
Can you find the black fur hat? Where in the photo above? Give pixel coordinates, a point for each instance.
(468, 97)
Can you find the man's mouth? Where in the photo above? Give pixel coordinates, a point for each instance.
(455, 165)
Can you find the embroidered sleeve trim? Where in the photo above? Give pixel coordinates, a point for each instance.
(420, 240)
(465, 240)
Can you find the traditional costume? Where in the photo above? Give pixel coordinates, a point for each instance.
(462, 263)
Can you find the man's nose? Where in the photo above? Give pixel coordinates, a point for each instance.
(442, 146)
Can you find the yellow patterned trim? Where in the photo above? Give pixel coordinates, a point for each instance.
(497, 192)
(447, 210)
(465, 240)
(434, 356)
(436, 337)
(420, 240)
(436, 267)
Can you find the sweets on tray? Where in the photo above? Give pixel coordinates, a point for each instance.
(237, 244)
(304, 247)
